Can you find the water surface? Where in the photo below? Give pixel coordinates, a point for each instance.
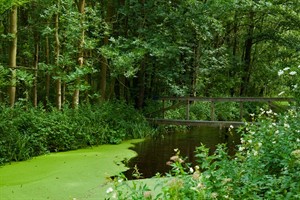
(154, 153)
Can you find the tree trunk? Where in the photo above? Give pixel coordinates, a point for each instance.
(141, 86)
(104, 62)
(57, 54)
(81, 7)
(247, 56)
(48, 78)
(36, 62)
(13, 55)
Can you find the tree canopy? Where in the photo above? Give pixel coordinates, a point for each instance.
(71, 50)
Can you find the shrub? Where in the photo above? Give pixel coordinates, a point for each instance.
(266, 166)
(35, 131)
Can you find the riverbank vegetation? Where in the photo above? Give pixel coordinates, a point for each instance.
(265, 166)
(35, 131)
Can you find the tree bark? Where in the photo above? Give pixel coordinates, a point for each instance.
(104, 62)
(57, 54)
(36, 62)
(13, 55)
(247, 56)
(81, 7)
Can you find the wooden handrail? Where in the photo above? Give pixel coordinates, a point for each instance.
(229, 99)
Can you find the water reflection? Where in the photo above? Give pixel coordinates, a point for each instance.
(154, 153)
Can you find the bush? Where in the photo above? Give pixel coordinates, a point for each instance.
(35, 131)
(266, 166)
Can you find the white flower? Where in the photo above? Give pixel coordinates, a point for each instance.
(109, 190)
(276, 132)
(280, 72)
(281, 93)
(274, 142)
(251, 114)
(242, 140)
(259, 144)
(293, 73)
(255, 153)
(287, 68)
(241, 148)
(231, 126)
(191, 170)
(286, 125)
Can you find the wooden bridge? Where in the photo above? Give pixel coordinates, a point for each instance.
(187, 101)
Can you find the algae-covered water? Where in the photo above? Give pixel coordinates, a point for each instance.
(80, 174)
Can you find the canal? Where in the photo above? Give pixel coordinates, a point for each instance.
(154, 153)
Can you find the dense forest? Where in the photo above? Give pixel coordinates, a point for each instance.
(67, 52)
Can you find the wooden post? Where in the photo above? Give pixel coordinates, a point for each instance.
(241, 110)
(188, 110)
(212, 111)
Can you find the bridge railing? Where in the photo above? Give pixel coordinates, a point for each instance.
(213, 100)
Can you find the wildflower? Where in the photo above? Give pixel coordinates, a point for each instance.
(109, 190)
(241, 148)
(196, 175)
(147, 194)
(286, 125)
(280, 72)
(285, 69)
(255, 153)
(274, 142)
(252, 114)
(269, 111)
(191, 170)
(242, 140)
(226, 180)
(259, 144)
(293, 73)
(277, 132)
(214, 195)
(176, 149)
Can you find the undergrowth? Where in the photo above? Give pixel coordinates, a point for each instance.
(25, 133)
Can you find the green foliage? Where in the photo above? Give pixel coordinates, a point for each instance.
(265, 166)
(32, 132)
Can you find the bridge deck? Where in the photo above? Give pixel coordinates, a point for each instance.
(195, 122)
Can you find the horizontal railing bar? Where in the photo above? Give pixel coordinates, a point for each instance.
(195, 122)
(229, 99)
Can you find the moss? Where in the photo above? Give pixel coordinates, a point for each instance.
(79, 174)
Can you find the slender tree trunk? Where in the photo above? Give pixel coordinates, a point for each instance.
(48, 78)
(247, 56)
(81, 7)
(13, 55)
(57, 54)
(141, 85)
(36, 62)
(104, 62)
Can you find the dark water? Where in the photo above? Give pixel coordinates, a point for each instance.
(154, 153)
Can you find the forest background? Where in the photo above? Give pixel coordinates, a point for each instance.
(57, 52)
